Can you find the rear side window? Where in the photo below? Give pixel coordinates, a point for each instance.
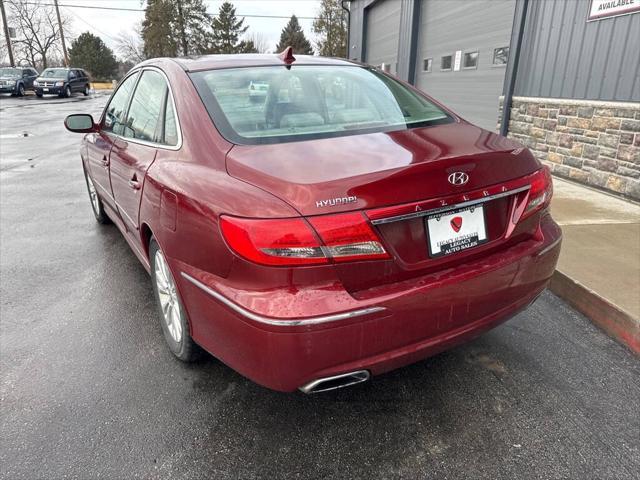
(146, 107)
(115, 112)
(170, 124)
(309, 102)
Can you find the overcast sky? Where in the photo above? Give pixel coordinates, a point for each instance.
(108, 24)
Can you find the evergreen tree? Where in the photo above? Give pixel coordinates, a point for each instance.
(227, 30)
(247, 46)
(157, 29)
(292, 35)
(331, 28)
(175, 27)
(192, 26)
(90, 53)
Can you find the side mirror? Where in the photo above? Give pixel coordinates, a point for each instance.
(80, 123)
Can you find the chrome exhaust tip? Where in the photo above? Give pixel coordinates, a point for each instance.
(338, 381)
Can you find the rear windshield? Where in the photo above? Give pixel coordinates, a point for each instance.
(278, 104)
(54, 73)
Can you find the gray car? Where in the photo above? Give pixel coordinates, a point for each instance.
(17, 81)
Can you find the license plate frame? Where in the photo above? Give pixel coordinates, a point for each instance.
(471, 215)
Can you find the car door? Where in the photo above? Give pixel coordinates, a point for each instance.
(81, 80)
(99, 143)
(27, 78)
(73, 80)
(134, 152)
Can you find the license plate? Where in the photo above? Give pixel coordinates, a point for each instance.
(453, 232)
(45, 89)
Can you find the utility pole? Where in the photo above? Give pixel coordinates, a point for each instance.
(64, 45)
(6, 34)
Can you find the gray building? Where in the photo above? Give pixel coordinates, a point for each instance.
(569, 71)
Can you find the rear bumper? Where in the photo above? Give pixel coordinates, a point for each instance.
(388, 328)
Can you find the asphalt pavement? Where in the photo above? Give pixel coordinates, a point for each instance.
(88, 389)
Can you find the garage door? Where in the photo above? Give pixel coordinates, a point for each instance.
(382, 34)
(462, 53)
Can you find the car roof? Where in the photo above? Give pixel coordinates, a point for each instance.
(211, 62)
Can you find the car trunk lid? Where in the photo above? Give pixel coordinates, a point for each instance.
(388, 175)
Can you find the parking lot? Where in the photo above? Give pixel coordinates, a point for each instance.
(89, 389)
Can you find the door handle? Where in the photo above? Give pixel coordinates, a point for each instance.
(133, 183)
(105, 161)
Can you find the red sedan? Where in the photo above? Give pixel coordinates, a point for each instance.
(339, 226)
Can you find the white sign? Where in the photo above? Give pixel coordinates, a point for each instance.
(612, 8)
(456, 62)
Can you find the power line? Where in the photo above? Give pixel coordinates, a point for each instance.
(91, 26)
(124, 9)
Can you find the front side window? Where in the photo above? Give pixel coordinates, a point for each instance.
(114, 114)
(310, 102)
(146, 107)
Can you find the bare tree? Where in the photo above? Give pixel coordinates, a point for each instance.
(38, 31)
(260, 41)
(4, 51)
(130, 46)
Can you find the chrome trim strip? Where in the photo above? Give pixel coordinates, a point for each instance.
(108, 194)
(358, 376)
(294, 322)
(424, 213)
(122, 211)
(551, 246)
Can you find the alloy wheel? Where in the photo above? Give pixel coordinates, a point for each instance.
(168, 297)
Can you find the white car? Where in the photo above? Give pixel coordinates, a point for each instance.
(258, 91)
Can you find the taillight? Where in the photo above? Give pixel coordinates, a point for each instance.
(288, 241)
(348, 237)
(540, 192)
(291, 241)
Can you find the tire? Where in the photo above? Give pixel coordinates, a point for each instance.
(96, 203)
(66, 93)
(21, 90)
(39, 94)
(86, 90)
(173, 318)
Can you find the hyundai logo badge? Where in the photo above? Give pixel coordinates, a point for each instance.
(458, 178)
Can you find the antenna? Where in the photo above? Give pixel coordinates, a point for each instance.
(287, 55)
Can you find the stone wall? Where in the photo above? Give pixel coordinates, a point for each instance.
(591, 142)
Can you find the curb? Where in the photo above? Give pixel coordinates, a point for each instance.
(616, 322)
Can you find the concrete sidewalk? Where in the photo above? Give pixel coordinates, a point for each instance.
(599, 267)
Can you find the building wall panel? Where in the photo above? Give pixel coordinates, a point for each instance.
(383, 33)
(449, 25)
(564, 56)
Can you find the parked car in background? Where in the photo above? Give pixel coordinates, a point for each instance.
(258, 91)
(17, 81)
(62, 81)
(310, 243)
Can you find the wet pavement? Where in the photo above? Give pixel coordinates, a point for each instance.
(88, 389)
